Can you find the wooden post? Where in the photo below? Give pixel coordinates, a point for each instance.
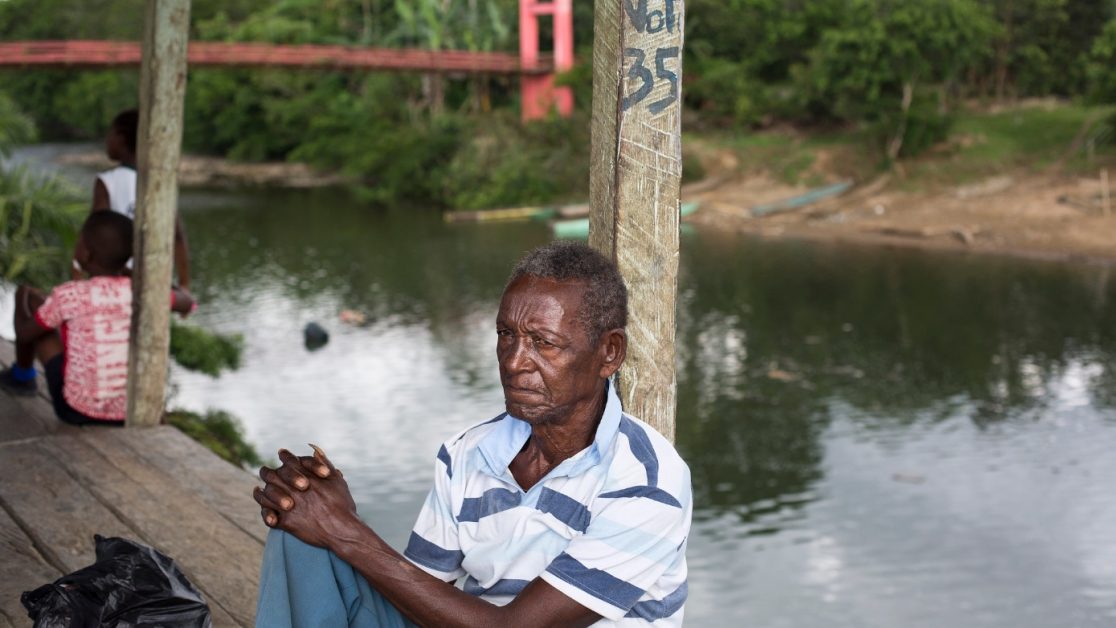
(635, 173)
(162, 90)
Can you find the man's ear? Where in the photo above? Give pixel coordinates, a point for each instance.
(613, 348)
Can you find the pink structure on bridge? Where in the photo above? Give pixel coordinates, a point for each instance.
(538, 92)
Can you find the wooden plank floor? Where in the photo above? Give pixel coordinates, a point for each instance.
(60, 485)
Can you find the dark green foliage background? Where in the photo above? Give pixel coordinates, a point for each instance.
(455, 141)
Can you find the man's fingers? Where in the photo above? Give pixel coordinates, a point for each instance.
(270, 518)
(290, 473)
(310, 464)
(322, 460)
(280, 498)
(276, 489)
(268, 511)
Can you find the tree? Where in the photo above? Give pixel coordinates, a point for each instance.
(873, 65)
(1042, 45)
(1102, 61)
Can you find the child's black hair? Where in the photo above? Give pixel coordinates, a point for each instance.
(108, 238)
(127, 123)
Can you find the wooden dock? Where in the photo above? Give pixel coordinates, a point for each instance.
(60, 485)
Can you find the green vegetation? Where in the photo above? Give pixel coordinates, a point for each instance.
(39, 217)
(207, 352)
(891, 74)
(982, 144)
(203, 351)
(220, 432)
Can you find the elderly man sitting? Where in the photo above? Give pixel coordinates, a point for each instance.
(562, 511)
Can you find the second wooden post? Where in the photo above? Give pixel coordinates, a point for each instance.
(162, 91)
(635, 177)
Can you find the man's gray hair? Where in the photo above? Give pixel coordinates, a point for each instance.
(604, 305)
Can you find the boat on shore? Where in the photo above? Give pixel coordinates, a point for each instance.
(802, 200)
(578, 228)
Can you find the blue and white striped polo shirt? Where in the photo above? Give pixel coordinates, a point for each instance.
(607, 527)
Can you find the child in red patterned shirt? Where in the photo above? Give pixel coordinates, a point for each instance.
(80, 332)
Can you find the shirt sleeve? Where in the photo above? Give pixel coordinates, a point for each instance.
(57, 308)
(434, 546)
(630, 542)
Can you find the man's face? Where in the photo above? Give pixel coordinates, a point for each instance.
(116, 145)
(549, 367)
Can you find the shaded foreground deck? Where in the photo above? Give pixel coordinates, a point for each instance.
(60, 485)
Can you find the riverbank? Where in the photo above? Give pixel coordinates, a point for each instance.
(205, 171)
(1045, 216)
(972, 195)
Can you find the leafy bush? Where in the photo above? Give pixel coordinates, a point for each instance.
(39, 216)
(15, 126)
(218, 431)
(206, 352)
(725, 91)
(39, 220)
(505, 164)
(1102, 61)
(927, 124)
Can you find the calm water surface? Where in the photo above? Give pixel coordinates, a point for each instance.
(877, 437)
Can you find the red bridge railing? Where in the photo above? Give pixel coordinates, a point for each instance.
(107, 54)
(538, 92)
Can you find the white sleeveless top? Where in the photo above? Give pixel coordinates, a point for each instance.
(121, 185)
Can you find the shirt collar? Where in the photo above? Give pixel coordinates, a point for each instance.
(508, 435)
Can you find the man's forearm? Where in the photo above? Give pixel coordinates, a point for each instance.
(424, 599)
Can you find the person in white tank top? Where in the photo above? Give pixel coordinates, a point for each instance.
(120, 187)
(115, 189)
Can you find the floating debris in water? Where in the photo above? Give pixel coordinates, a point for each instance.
(908, 478)
(314, 336)
(355, 318)
(781, 376)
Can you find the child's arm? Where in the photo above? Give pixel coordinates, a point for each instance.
(181, 253)
(182, 301)
(28, 326)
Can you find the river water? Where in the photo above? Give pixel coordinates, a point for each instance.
(878, 438)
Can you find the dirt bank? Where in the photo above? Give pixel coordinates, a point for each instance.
(1048, 215)
(196, 170)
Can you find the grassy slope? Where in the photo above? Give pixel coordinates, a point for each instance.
(981, 145)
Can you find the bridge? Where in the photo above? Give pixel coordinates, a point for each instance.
(536, 70)
(113, 54)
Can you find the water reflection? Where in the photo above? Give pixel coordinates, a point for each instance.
(877, 438)
(898, 440)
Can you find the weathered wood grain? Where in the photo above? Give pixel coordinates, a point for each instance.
(22, 568)
(218, 557)
(635, 176)
(225, 488)
(26, 417)
(162, 92)
(15, 423)
(60, 515)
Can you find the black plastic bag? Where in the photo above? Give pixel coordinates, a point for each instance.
(129, 585)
